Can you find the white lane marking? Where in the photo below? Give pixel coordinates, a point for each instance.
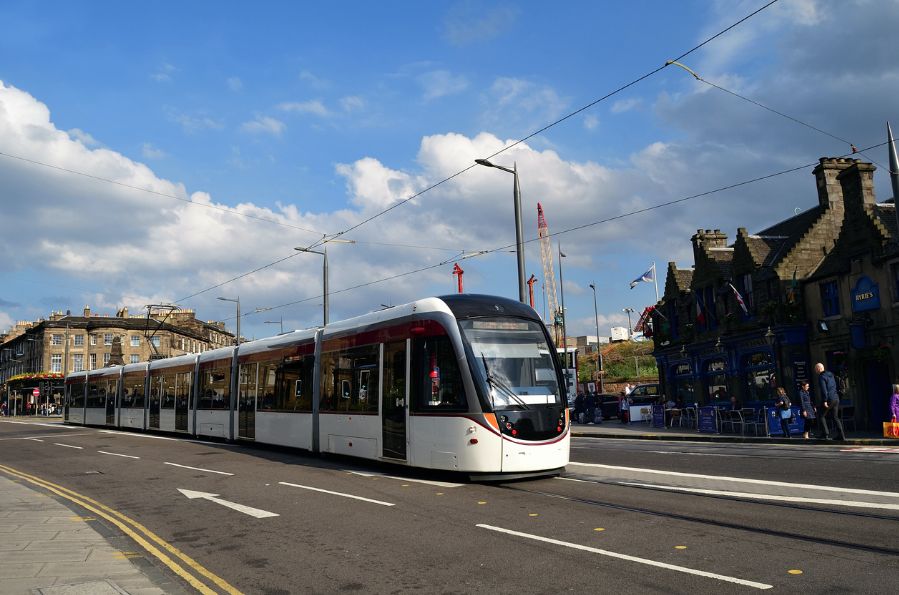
(750, 495)
(887, 449)
(765, 482)
(58, 426)
(115, 454)
(197, 468)
(68, 445)
(684, 569)
(118, 433)
(253, 512)
(440, 484)
(341, 494)
(34, 439)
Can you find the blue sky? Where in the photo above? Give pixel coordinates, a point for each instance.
(320, 116)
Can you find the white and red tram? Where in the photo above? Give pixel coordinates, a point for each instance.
(466, 383)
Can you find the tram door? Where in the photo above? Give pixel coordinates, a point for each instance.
(153, 401)
(183, 386)
(393, 400)
(111, 393)
(246, 400)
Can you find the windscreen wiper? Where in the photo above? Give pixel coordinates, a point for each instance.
(495, 382)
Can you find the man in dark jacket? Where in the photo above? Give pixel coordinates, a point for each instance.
(830, 402)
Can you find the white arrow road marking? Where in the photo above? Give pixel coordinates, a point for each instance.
(763, 482)
(341, 494)
(197, 468)
(253, 512)
(749, 495)
(684, 569)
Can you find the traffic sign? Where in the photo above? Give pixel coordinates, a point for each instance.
(35, 392)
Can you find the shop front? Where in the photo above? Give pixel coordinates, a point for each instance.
(714, 381)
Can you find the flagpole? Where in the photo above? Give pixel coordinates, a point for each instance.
(655, 281)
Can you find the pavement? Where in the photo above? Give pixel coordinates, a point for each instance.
(645, 431)
(49, 549)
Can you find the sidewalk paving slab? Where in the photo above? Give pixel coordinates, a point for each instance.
(50, 549)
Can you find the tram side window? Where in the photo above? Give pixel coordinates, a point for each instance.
(436, 380)
(77, 393)
(294, 389)
(167, 390)
(183, 388)
(215, 387)
(133, 393)
(95, 399)
(351, 379)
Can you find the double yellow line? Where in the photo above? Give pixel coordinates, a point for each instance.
(175, 559)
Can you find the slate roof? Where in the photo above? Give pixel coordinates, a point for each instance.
(886, 214)
(777, 241)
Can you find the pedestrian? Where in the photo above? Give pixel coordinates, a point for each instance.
(624, 406)
(590, 407)
(579, 408)
(784, 410)
(809, 418)
(628, 389)
(830, 402)
(894, 403)
(734, 403)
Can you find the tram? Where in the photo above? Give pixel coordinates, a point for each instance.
(468, 383)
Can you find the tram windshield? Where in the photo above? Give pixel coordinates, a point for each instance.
(515, 359)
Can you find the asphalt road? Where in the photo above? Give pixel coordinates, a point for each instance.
(628, 516)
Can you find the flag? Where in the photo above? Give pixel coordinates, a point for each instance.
(739, 299)
(647, 277)
(791, 293)
(700, 315)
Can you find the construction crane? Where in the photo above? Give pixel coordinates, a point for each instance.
(549, 275)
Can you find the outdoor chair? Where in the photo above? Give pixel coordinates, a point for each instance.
(723, 420)
(847, 414)
(753, 418)
(736, 419)
(689, 417)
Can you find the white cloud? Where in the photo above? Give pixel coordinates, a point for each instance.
(234, 83)
(469, 22)
(626, 105)
(591, 122)
(352, 103)
(164, 73)
(83, 137)
(521, 104)
(314, 81)
(150, 152)
(440, 83)
(314, 107)
(264, 125)
(194, 123)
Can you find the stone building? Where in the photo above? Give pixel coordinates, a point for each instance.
(806, 285)
(65, 343)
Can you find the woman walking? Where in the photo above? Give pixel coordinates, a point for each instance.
(808, 409)
(784, 411)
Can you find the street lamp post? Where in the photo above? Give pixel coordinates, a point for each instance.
(629, 312)
(519, 244)
(564, 335)
(237, 301)
(324, 255)
(599, 367)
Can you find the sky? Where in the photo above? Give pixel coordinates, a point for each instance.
(178, 152)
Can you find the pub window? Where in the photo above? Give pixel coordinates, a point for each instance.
(894, 276)
(830, 298)
(436, 380)
(351, 379)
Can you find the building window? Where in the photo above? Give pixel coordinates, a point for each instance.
(135, 358)
(106, 357)
(78, 362)
(830, 298)
(93, 361)
(155, 341)
(55, 339)
(56, 362)
(107, 338)
(93, 339)
(894, 275)
(79, 340)
(135, 340)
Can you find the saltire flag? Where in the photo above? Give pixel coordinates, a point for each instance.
(739, 298)
(700, 315)
(647, 277)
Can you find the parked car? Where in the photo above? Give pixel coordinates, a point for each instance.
(645, 394)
